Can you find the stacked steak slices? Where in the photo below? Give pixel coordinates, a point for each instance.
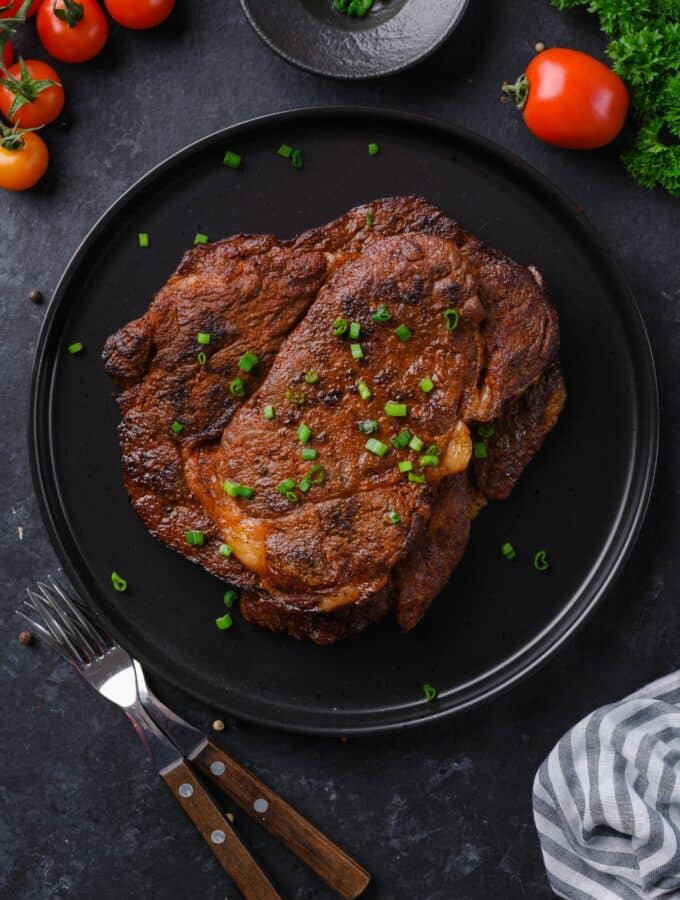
(339, 467)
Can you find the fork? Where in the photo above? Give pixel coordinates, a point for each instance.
(114, 674)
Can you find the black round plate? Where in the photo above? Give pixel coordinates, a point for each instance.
(582, 499)
(393, 36)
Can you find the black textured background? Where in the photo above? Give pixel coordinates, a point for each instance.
(439, 814)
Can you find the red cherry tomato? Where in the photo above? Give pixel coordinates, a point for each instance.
(139, 13)
(16, 6)
(81, 37)
(23, 161)
(42, 103)
(571, 99)
(7, 54)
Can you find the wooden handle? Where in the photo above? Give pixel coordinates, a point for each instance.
(218, 834)
(329, 862)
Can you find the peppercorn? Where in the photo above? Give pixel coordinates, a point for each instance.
(26, 638)
(35, 297)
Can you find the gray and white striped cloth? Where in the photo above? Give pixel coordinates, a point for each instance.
(607, 800)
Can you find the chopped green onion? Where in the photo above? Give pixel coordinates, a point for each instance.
(486, 431)
(230, 598)
(430, 692)
(286, 487)
(194, 538)
(176, 427)
(434, 450)
(369, 220)
(373, 149)
(401, 440)
(508, 550)
(405, 465)
(382, 314)
(357, 352)
(376, 446)
(429, 460)
(541, 563)
(75, 347)
(396, 409)
(231, 160)
(143, 239)
(233, 489)
(451, 318)
(225, 550)
(296, 159)
(480, 450)
(200, 239)
(394, 517)
(305, 485)
(403, 332)
(354, 331)
(118, 582)
(238, 387)
(416, 444)
(317, 475)
(203, 338)
(426, 385)
(292, 397)
(364, 390)
(268, 411)
(202, 358)
(416, 478)
(224, 622)
(340, 327)
(308, 453)
(311, 377)
(285, 150)
(248, 361)
(304, 433)
(368, 426)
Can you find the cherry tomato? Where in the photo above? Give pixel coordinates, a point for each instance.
(43, 102)
(7, 54)
(81, 37)
(23, 160)
(139, 13)
(571, 99)
(16, 6)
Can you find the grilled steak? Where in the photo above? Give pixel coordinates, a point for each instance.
(326, 542)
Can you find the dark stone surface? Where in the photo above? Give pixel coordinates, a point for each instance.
(439, 814)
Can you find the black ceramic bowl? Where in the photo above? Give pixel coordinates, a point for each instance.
(395, 35)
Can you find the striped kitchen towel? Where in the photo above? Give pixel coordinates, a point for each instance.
(607, 800)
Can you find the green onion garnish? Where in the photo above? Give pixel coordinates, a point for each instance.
(231, 160)
(304, 433)
(403, 332)
(416, 444)
(340, 327)
(480, 450)
(202, 358)
(238, 387)
(248, 361)
(357, 352)
(311, 377)
(224, 622)
(118, 582)
(194, 538)
(295, 399)
(430, 692)
(376, 446)
(508, 550)
(426, 385)
(308, 453)
(394, 517)
(268, 411)
(434, 450)
(451, 318)
(285, 150)
(75, 347)
(373, 149)
(429, 460)
(305, 485)
(225, 550)
(176, 427)
(200, 239)
(541, 563)
(369, 220)
(286, 485)
(230, 598)
(405, 465)
(203, 338)
(317, 475)
(486, 431)
(368, 426)
(296, 159)
(354, 331)
(401, 440)
(396, 409)
(364, 389)
(143, 239)
(416, 477)
(233, 489)
(382, 314)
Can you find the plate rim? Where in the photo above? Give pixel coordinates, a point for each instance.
(631, 516)
(339, 76)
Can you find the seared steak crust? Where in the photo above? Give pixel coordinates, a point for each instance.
(328, 563)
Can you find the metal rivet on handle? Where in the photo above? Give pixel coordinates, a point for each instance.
(185, 790)
(260, 805)
(217, 768)
(218, 836)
